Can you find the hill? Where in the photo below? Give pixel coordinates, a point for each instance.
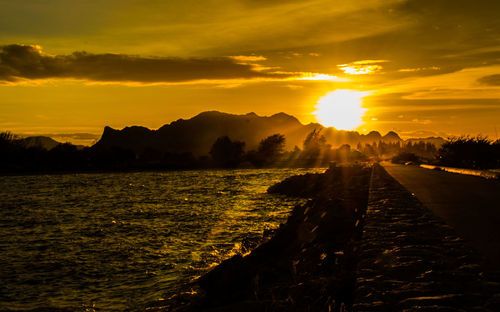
(40, 141)
(196, 135)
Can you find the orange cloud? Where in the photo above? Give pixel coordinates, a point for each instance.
(362, 67)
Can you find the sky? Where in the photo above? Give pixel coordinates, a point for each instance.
(423, 67)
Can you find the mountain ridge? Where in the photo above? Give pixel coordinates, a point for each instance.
(40, 141)
(197, 134)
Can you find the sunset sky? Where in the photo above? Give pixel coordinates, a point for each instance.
(422, 67)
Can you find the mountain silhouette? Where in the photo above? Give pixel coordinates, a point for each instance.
(391, 137)
(41, 142)
(196, 135)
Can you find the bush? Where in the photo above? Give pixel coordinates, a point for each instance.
(469, 152)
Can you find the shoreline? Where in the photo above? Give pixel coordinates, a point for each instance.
(37, 173)
(355, 259)
(309, 263)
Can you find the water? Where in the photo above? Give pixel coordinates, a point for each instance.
(124, 241)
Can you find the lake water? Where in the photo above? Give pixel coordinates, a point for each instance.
(124, 241)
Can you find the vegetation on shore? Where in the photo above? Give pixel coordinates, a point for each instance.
(470, 152)
(462, 152)
(17, 156)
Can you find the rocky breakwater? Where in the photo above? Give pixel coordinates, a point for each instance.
(410, 260)
(309, 264)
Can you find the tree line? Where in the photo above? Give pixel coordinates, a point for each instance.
(270, 152)
(472, 152)
(17, 156)
(467, 152)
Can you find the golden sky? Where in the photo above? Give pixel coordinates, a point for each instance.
(425, 67)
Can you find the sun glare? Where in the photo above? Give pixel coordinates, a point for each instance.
(360, 69)
(341, 109)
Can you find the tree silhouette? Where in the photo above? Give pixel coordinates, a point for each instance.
(272, 146)
(343, 153)
(314, 140)
(314, 144)
(270, 150)
(226, 153)
(469, 152)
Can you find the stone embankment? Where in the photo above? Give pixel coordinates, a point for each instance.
(309, 264)
(410, 260)
(363, 243)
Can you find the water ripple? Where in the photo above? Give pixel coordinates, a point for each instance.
(121, 241)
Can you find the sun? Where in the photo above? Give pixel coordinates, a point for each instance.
(341, 109)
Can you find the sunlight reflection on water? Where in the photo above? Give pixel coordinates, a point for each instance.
(119, 241)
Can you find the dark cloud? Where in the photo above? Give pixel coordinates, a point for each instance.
(491, 80)
(434, 38)
(27, 62)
